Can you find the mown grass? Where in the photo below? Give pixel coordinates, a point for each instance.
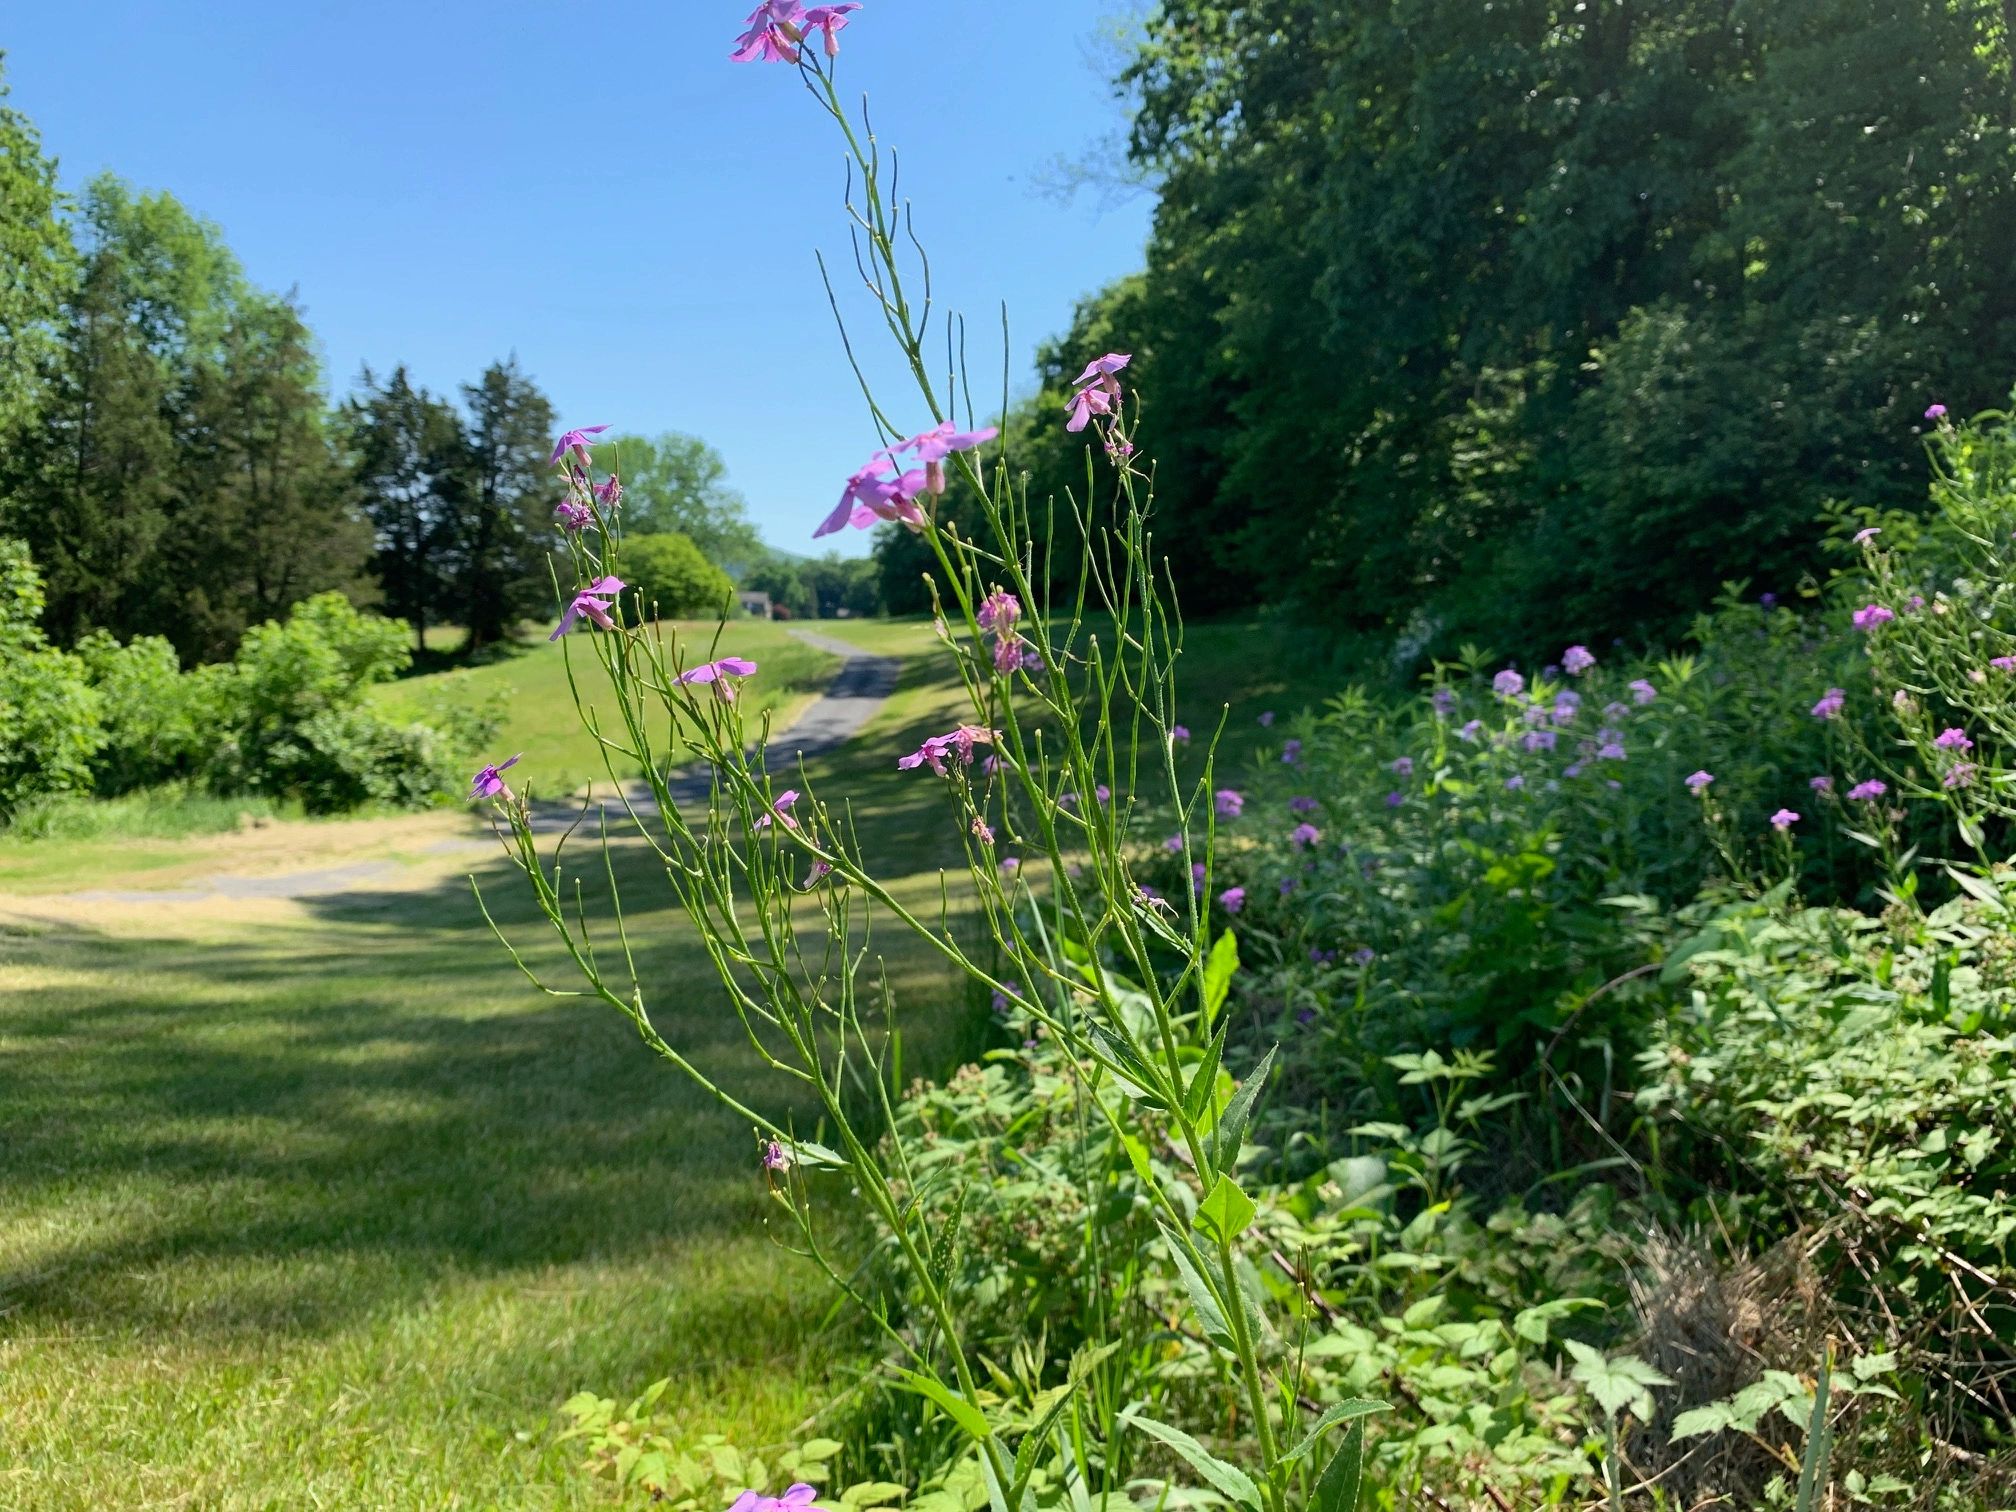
(319, 1204)
(529, 687)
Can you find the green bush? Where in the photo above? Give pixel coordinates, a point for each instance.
(51, 719)
(160, 722)
(670, 578)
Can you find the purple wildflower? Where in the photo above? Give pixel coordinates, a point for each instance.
(938, 748)
(1869, 616)
(798, 1498)
(1302, 805)
(1830, 703)
(1304, 834)
(1363, 955)
(1610, 750)
(1266, 718)
(593, 603)
(1096, 390)
(1515, 782)
(1953, 739)
(1699, 781)
(1228, 802)
(1935, 412)
(1444, 701)
(1232, 899)
(1867, 534)
(575, 441)
(1576, 660)
(1291, 752)
(1508, 684)
(1540, 740)
(1470, 731)
(1401, 766)
(1642, 692)
(718, 673)
(775, 1158)
(1866, 792)
(1783, 820)
(780, 810)
(1394, 800)
(1180, 734)
(1958, 775)
(830, 20)
(1821, 784)
(489, 783)
(1173, 845)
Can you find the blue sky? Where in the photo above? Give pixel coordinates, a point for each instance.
(596, 188)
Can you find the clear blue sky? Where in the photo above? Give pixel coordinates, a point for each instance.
(595, 187)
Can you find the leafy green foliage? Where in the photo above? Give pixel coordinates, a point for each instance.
(669, 577)
(675, 484)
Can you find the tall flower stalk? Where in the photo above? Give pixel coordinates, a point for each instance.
(1067, 751)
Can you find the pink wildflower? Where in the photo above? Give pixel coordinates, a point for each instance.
(1232, 899)
(592, 603)
(775, 30)
(1935, 412)
(938, 748)
(1228, 802)
(1865, 792)
(489, 783)
(1830, 703)
(1953, 739)
(1576, 660)
(780, 809)
(718, 673)
(575, 441)
(1958, 775)
(1783, 820)
(1699, 781)
(1096, 390)
(998, 611)
(1869, 616)
(1867, 534)
(830, 20)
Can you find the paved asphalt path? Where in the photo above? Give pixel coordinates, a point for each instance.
(854, 696)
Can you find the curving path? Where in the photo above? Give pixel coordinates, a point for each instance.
(854, 696)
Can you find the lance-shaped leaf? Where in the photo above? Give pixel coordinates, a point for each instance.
(1229, 1479)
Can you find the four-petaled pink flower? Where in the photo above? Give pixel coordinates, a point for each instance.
(1935, 412)
(489, 783)
(871, 495)
(1864, 792)
(831, 20)
(1576, 660)
(1228, 802)
(798, 1498)
(592, 603)
(775, 30)
(1869, 616)
(1783, 820)
(1698, 782)
(780, 810)
(1232, 899)
(718, 673)
(1830, 703)
(1867, 534)
(1953, 739)
(1096, 391)
(575, 441)
(935, 751)
(933, 446)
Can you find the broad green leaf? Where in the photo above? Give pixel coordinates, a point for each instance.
(1226, 1211)
(957, 1408)
(1210, 1316)
(1343, 1412)
(1219, 967)
(1231, 1131)
(1337, 1488)
(1230, 1479)
(1204, 1081)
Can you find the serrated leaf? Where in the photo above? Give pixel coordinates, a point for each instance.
(1337, 1488)
(1342, 1412)
(1210, 1316)
(1230, 1133)
(1227, 1211)
(1697, 1421)
(1230, 1479)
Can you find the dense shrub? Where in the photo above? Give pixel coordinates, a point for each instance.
(50, 718)
(160, 722)
(671, 578)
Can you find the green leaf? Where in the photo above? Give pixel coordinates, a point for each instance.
(1697, 1421)
(1337, 1488)
(957, 1408)
(1226, 1212)
(1136, 1079)
(1231, 1131)
(1819, 1441)
(1343, 1412)
(1229, 1479)
(1205, 1080)
(818, 1449)
(1219, 967)
(1619, 1383)
(1210, 1316)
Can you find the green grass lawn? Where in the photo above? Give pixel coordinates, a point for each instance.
(531, 689)
(318, 1204)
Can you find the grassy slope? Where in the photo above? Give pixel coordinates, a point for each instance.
(539, 714)
(305, 1202)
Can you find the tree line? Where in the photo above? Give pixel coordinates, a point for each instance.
(1534, 321)
(171, 455)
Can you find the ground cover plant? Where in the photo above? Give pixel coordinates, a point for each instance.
(1443, 1239)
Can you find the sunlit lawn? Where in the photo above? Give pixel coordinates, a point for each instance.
(537, 702)
(321, 1205)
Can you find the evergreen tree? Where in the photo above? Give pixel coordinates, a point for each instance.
(505, 530)
(409, 464)
(38, 267)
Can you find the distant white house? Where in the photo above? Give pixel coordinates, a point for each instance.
(756, 604)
